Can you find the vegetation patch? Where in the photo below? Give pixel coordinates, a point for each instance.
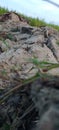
(32, 21)
(3, 10)
(57, 43)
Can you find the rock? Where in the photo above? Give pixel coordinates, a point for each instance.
(43, 53)
(49, 120)
(54, 72)
(22, 37)
(0, 27)
(10, 43)
(14, 17)
(6, 45)
(46, 100)
(35, 39)
(3, 46)
(52, 45)
(27, 30)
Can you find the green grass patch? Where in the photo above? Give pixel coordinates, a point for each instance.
(32, 21)
(44, 65)
(53, 26)
(3, 10)
(39, 22)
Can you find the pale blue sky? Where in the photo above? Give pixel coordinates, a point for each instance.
(34, 8)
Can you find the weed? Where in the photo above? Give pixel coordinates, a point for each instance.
(6, 43)
(44, 65)
(3, 10)
(57, 43)
(9, 36)
(4, 72)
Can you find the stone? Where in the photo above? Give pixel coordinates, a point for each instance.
(35, 39)
(1, 28)
(3, 46)
(52, 45)
(46, 100)
(49, 120)
(14, 17)
(43, 53)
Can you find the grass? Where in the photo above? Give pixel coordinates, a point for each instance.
(39, 22)
(32, 21)
(4, 72)
(3, 10)
(53, 26)
(41, 65)
(44, 66)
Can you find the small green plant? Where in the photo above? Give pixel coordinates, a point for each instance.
(36, 22)
(9, 36)
(44, 65)
(3, 10)
(57, 43)
(6, 126)
(6, 43)
(4, 72)
(53, 26)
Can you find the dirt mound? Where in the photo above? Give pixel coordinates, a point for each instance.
(12, 16)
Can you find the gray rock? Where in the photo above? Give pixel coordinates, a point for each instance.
(46, 99)
(49, 120)
(35, 39)
(1, 27)
(51, 44)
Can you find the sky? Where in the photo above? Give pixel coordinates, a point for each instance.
(34, 8)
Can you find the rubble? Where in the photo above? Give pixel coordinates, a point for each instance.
(20, 42)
